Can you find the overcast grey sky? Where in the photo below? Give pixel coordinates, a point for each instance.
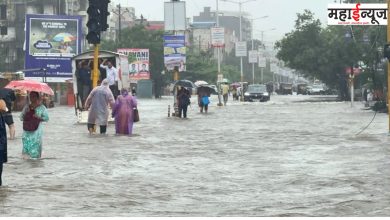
(282, 13)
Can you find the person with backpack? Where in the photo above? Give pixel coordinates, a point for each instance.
(183, 100)
(203, 101)
(32, 116)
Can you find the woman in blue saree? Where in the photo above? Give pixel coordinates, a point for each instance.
(32, 139)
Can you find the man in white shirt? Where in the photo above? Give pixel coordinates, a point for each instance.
(112, 76)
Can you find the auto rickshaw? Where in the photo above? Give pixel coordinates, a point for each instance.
(119, 61)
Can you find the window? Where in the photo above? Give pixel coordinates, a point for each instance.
(3, 12)
(3, 30)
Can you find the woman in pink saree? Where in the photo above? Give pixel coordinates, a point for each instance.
(123, 113)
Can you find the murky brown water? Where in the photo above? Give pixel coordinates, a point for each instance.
(280, 158)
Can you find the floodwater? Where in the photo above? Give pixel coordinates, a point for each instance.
(286, 157)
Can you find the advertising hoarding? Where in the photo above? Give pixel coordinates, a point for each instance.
(252, 56)
(174, 52)
(241, 50)
(51, 42)
(218, 37)
(139, 68)
(262, 62)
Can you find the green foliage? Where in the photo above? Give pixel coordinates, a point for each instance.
(324, 53)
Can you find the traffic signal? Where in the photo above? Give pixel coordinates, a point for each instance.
(104, 14)
(94, 23)
(386, 51)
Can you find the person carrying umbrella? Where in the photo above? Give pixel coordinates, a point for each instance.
(32, 115)
(204, 93)
(183, 100)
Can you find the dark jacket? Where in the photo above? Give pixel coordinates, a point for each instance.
(8, 95)
(183, 97)
(3, 141)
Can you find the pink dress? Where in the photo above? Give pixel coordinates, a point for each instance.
(123, 114)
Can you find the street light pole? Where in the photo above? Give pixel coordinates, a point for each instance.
(120, 13)
(262, 41)
(241, 68)
(253, 64)
(219, 60)
(388, 64)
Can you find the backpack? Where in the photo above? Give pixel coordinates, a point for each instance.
(30, 122)
(205, 100)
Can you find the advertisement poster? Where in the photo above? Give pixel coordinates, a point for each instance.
(174, 52)
(51, 42)
(138, 69)
(241, 50)
(218, 37)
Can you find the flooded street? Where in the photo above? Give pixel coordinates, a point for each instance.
(286, 157)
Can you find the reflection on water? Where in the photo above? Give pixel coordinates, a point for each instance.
(281, 158)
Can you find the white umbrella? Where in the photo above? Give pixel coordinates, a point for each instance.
(200, 82)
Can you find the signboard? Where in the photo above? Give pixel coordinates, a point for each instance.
(218, 37)
(51, 42)
(174, 52)
(262, 61)
(357, 14)
(219, 78)
(274, 65)
(174, 16)
(241, 50)
(252, 57)
(139, 68)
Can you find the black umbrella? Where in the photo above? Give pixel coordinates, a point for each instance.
(206, 90)
(184, 83)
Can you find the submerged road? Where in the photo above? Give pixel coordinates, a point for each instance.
(286, 157)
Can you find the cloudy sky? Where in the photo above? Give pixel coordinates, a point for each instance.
(282, 13)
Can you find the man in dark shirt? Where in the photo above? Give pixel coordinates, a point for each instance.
(8, 95)
(84, 76)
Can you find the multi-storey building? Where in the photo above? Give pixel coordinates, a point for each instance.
(229, 20)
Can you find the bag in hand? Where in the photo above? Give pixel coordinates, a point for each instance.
(136, 115)
(30, 122)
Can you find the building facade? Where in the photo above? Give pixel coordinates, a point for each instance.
(228, 20)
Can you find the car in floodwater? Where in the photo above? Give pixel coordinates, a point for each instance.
(256, 92)
(316, 89)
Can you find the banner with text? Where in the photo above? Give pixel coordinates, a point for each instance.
(174, 52)
(252, 56)
(218, 37)
(241, 50)
(51, 42)
(139, 68)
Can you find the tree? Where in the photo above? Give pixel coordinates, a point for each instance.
(139, 37)
(325, 53)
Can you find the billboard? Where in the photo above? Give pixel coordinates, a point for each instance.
(174, 52)
(262, 61)
(241, 49)
(51, 42)
(252, 56)
(218, 37)
(139, 68)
